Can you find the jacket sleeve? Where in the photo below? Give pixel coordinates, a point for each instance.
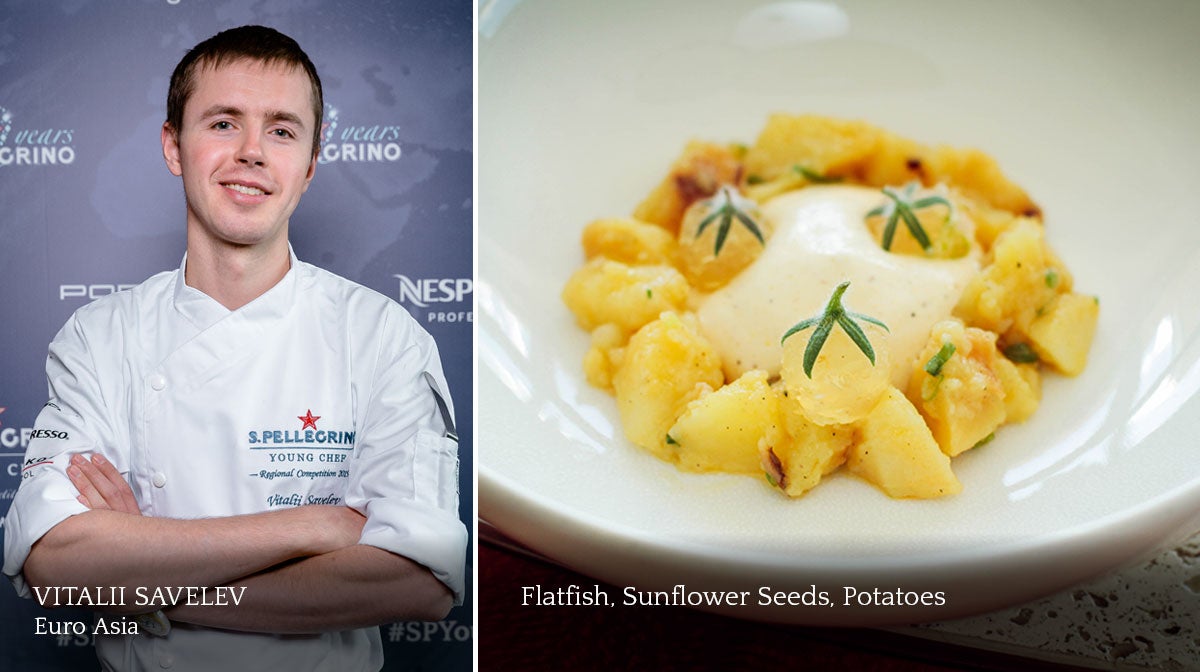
(72, 421)
(405, 473)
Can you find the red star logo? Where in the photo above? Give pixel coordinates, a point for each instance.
(310, 420)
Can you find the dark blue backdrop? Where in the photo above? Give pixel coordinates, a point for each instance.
(87, 205)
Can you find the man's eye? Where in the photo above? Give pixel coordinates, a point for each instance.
(222, 125)
(282, 132)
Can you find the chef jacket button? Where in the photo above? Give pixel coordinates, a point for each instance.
(166, 661)
(158, 382)
(159, 479)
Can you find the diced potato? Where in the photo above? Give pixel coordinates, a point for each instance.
(1022, 389)
(721, 430)
(824, 145)
(1062, 335)
(896, 160)
(628, 241)
(665, 365)
(798, 458)
(1057, 276)
(964, 402)
(844, 385)
(978, 176)
(989, 222)
(870, 155)
(897, 454)
(602, 357)
(1020, 282)
(761, 191)
(696, 174)
(704, 267)
(610, 292)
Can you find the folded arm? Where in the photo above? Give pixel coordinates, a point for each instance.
(113, 546)
(353, 587)
(299, 575)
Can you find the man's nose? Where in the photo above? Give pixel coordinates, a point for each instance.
(250, 150)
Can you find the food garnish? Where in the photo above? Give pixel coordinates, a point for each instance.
(727, 213)
(900, 205)
(834, 313)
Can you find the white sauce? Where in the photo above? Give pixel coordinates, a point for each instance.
(821, 240)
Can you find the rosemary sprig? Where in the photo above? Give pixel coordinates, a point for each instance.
(727, 213)
(834, 313)
(902, 206)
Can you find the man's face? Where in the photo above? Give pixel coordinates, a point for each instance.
(244, 151)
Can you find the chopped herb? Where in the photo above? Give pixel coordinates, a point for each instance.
(754, 179)
(985, 440)
(1020, 353)
(1051, 278)
(813, 176)
(902, 206)
(930, 387)
(934, 366)
(771, 479)
(727, 213)
(834, 313)
(649, 293)
(671, 441)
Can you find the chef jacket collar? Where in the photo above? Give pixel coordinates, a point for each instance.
(204, 311)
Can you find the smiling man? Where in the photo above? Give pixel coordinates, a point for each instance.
(247, 426)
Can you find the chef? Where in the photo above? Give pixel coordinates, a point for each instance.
(246, 420)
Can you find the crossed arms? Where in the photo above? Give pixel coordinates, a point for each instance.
(303, 568)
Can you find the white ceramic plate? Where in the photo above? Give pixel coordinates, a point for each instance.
(1090, 106)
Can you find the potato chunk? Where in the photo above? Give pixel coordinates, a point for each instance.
(823, 145)
(610, 292)
(1022, 389)
(696, 174)
(1062, 335)
(602, 357)
(1021, 281)
(665, 365)
(628, 241)
(897, 454)
(964, 402)
(721, 430)
(977, 175)
(804, 453)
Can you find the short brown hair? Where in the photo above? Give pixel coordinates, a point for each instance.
(255, 43)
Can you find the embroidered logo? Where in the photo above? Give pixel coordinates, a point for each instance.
(307, 437)
(310, 420)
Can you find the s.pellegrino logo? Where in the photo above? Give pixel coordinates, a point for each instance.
(33, 146)
(370, 143)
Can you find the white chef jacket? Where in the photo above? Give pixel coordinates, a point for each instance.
(318, 391)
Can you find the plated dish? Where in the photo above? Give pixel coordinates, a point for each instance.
(733, 349)
(1100, 476)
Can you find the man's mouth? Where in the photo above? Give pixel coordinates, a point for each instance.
(244, 189)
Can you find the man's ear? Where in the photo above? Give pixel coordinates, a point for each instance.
(312, 169)
(170, 145)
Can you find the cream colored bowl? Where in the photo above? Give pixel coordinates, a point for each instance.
(1090, 106)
